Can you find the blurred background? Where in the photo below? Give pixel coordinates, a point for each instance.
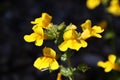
(17, 56)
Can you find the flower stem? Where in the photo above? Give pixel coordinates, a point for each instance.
(70, 78)
(69, 54)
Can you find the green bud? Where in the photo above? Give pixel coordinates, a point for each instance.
(51, 32)
(83, 67)
(61, 26)
(64, 57)
(109, 35)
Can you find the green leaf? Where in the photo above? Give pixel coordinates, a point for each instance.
(67, 72)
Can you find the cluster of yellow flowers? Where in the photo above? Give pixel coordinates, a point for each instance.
(70, 34)
(66, 37)
(112, 8)
(38, 35)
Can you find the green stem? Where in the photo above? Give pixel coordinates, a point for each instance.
(68, 60)
(69, 54)
(113, 45)
(70, 78)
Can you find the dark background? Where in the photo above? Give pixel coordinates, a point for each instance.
(17, 56)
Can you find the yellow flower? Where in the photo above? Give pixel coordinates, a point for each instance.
(71, 41)
(110, 64)
(37, 36)
(92, 4)
(114, 8)
(89, 32)
(47, 61)
(43, 21)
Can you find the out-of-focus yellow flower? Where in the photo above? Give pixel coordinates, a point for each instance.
(110, 64)
(114, 8)
(59, 76)
(89, 31)
(43, 21)
(71, 41)
(102, 24)
(47, 61)
(37, 36)
(92, 4)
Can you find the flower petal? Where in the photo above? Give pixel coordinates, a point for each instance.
(42, 63)
(30, 38)
(97, 35)
(46, 19)
(49, 52)
(46, 16)
(84, 43)
(76, 45)
(38, 63)
(39, 41)
(54, 65)
(63, 46)
(85, 34)
(101, 64)
(112, 58)
(67, 35)
(38, 30)
(108, 66)
(91, 4)
(108, 69)
(97, 29)
(70, 34)
(86, 25)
